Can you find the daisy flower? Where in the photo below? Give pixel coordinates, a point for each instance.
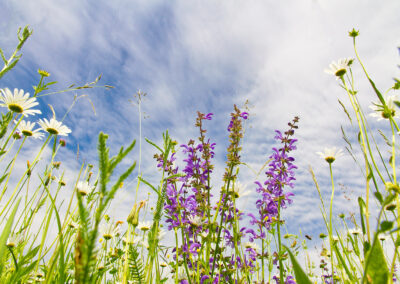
(26, 128)
(13, 240)
(330, 154)
(83, 188)
(18, 102)
(144, 226)
(385, 112)
(54, 127)
(251, 245)
(355, 231)
(339, 68)
(195, 220)
(240, 190)
(109, 231)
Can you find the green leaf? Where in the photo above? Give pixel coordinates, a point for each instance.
(154, 144)
(301, 276)
(361, 204)
(377, 92)
(148, 184)
(4, 235)
(386, 226)
(378, 196)
(376, 269)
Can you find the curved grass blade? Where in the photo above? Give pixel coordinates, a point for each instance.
(376, 269)
(4, 235)
(301, 276)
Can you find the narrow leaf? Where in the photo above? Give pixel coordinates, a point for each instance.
(301, 276)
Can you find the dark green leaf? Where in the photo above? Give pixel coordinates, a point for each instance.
(386, 226)
(376, 269)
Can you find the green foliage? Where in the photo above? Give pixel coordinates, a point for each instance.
(5, 234)
(301, 276)
(136, 265)
(376, 269)
(13, 60)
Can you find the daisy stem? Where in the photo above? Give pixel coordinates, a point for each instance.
(363, 144)
(9, 175)
(330, 218)
(11, 134)
(34, 162)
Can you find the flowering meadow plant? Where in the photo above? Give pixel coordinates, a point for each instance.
(197, 231)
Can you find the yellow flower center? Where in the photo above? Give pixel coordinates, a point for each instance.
(27, 132)
(15, 108)
(107, 236)
(340, 72)
(330, 159)
(52, 130)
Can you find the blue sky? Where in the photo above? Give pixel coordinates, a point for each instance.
(191, 56)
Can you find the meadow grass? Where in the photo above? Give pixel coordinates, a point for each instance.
(48, 237)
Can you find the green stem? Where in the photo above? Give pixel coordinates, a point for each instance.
(330, 219)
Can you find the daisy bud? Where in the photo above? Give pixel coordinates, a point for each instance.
(62, 143)
(16, 136)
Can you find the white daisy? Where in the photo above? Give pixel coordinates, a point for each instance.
(144, 226)
(18, 102)
(163, 264)
(339, 68)
(383, 237)
(195, 220)
(54, 127)
(385, 112)
(355, 232)
(13, 240)
(109, 231)
(240, 190)
(26, 128)
(251, 245)
(83, 188)
(330, 154)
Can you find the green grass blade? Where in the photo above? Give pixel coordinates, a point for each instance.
(4, 235)
(376, 269)
(301, 276)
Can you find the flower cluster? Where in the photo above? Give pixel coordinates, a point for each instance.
(279, 175)
(20, 103)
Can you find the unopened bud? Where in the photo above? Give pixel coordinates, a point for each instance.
(390, 186)
(17, 136)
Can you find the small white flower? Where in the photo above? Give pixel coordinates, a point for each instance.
(13, 240)
(251, 245)
(18, 102)
(144, 226)
(355, 232)
(383, 237)
(382, 112)
(163, 264)
(330, 154)
(195, 220)
(109, 231)
(26, 128)
(240, 190)
(339, 68)
(335, 239)
(54, 127)
(83, 188)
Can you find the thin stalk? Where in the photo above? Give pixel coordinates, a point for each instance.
(330, 219)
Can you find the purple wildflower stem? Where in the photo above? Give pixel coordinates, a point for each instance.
(235, 129)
